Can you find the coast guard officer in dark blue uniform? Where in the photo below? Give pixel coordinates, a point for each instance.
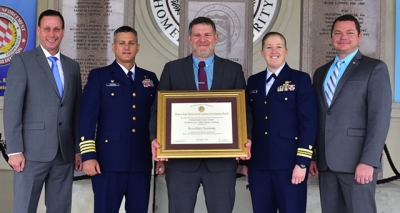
(284, 114)
(117, 99)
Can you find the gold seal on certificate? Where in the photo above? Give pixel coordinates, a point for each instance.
(201, 124)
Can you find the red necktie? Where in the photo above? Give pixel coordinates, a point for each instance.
(202, 76)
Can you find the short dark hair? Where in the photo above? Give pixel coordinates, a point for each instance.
(50, 13)
(125, 29)
(347, 17)
(202, 20)
(272, 34)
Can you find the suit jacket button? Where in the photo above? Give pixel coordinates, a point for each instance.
(329, 112)
(59, 124)
(61, 105)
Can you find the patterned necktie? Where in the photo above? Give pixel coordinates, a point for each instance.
(56, 74)
(332, 83)
(202, 76)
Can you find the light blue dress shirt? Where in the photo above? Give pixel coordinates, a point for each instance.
(343, 67)
(209, 68)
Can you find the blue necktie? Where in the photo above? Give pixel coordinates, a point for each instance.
(56, 74)
(332, 83)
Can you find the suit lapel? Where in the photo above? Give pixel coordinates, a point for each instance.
(322, 80)
(188, 73)
(347, 73)
(119, 74)
(44, 64)
(139, 77)
(67, 75)
(218, 73)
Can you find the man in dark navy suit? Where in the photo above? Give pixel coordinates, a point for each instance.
(284, 128)
(216, 175)
(116, 153)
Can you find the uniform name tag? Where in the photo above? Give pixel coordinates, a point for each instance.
(112, 84)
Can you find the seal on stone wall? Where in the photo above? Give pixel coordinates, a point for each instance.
(13, 34)
(165, 15)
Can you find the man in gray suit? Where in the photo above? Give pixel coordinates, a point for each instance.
(354, 101)
(216, 175)
(41, 105)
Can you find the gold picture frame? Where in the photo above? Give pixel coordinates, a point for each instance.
(201, 124)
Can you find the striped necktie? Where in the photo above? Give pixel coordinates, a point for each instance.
(332, 83)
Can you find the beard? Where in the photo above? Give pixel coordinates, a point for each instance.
(205, 53)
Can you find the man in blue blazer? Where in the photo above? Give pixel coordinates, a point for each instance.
(113, 126)
(353, 123)
(284, 127)
(216, 175)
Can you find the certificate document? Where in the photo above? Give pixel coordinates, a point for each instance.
(201, 123)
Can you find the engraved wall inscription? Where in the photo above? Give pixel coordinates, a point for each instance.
(89, 28)
(318, 17)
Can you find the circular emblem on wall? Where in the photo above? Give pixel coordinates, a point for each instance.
(165, 15)
(13, 34)
(227, 24)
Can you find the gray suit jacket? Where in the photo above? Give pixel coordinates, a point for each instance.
(36, 121)
(354, 129)
(179, 75)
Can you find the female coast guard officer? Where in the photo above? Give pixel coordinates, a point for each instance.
(284, 114)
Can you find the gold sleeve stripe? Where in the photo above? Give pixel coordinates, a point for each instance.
(87, 151)
(304, 150)
(86, 142)
(88, 147)
(302, 155)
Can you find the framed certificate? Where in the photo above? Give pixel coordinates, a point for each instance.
(201, 124)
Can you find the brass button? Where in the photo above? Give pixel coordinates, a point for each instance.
(286, 98)
(266, 133)
(134, 106)
(296, 138)
(251, 99)
(265, 102)
(134, 118)
(133, 130)
(112, 94)
(151, 95)
(134, 94)
(106, 141)
(266, 117)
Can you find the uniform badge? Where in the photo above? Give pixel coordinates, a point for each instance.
(147, 83)
(253, 91)
(286, 87)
